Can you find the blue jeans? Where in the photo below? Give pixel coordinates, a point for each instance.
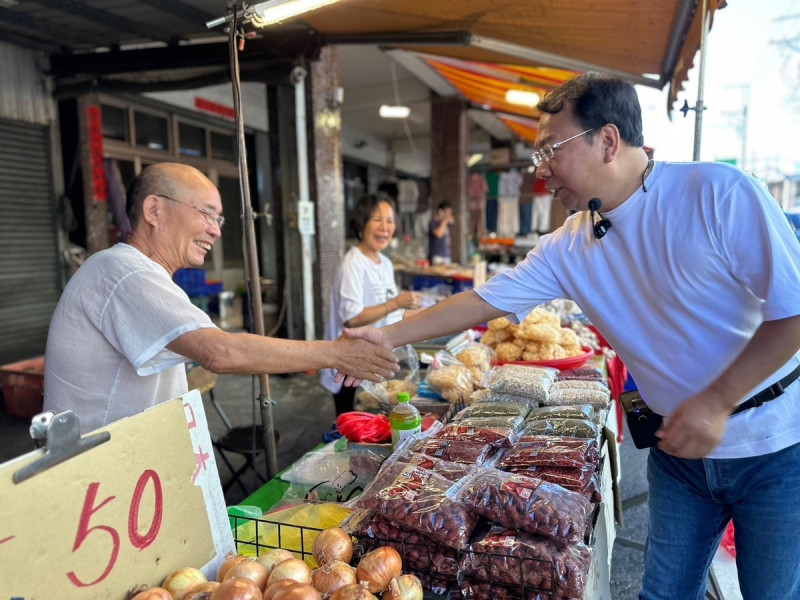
(690, 504)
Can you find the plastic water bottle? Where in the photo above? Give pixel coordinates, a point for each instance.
(404, 420)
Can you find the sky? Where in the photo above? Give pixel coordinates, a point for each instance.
(748, 71)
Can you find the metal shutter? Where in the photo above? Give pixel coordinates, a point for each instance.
(29, 262)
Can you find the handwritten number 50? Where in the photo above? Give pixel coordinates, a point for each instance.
(137, 541)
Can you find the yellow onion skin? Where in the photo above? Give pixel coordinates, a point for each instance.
(230, 559)
(293, 568)
(405, 587)
(333, 543)
(273, 588)
(354, 591)
(180, 582)
(378, 568)
(249, 569)
(273, 556)
(153, 593)
(299, 591)
(202, 591)
(237, 588)
(331, 576)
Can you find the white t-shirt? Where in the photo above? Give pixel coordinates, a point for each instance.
(106, 355)
(359, 283)
(685, 275)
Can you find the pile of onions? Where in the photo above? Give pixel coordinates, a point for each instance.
(331, 576)
(333, 543)
(405, 587)
(179, 583)
(202, 591)
(292, 568)
(354, 591)
(273, 556)
(287, 589)
(378, 568)
(249, 569)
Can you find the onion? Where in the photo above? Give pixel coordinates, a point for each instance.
(354, 591)
(178, 583)
(378, 568)
(292, 568)
(249, 569)
(331, 576)
(278, 586)
(154, 593)
(405, 587)
(230, 559)
(298, 591)
(273, 556)
(202, 591)
(333, 543)
(237, 588)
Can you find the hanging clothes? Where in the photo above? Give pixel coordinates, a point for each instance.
(526, 203)
(508, 203)
(407, 198)
(423, 216)
(493, 183)
(477, 190)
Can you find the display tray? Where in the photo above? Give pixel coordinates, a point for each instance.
(573, 362)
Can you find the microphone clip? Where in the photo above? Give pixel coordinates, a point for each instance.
(602, 226)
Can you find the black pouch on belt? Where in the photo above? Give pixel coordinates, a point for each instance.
(642, 421)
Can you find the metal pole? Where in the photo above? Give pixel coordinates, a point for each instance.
(256, 311)
(305, 208)
(698, 111)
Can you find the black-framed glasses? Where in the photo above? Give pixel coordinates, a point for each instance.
(546, 152)
(209, 217)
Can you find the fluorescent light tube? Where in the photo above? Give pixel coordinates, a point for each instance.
(394, 112)
(276, 11)
(521, 98)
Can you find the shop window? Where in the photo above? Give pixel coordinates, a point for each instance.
(232, 232)
(192, 140)
(223, 146)
(115, 122)
(151, 131)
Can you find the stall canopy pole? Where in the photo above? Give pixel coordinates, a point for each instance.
(698, 110)
(256, 311)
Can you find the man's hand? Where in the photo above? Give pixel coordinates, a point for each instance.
(363, 359)
(696, 428)
(371, 334)
(409, 300)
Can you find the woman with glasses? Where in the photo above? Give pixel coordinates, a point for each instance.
(122, 330)
(364, 291)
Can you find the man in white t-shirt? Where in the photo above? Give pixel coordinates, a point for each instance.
(692, 274)
(123, 329)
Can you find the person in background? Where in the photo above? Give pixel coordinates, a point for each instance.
(123, 330)
(439, 234)
(477, 188)
(695, 284)
(364, 291)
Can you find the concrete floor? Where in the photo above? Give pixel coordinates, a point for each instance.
(304, 412)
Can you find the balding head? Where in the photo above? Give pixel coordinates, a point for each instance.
(168, 179)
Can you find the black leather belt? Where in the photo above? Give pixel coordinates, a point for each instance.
(769, 393)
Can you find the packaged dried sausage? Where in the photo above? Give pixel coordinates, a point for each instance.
(514, 557)
(551, 451)
(526, 503)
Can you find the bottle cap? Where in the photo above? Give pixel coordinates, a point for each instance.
(403, 397)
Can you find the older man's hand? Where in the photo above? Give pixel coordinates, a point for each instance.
(361, 359)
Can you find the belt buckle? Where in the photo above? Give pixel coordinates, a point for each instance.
(776, 389)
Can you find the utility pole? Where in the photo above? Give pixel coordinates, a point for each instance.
(741, 119)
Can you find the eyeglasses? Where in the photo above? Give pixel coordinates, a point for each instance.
(546, 152)
(209, 217)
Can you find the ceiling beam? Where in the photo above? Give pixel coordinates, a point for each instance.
(107, 19)
(41, 31)
(182, 10)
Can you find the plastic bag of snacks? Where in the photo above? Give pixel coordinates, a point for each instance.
(521, 380)
(492, 397)
(478, 359)
(503, 555)
(463, 451)
(554, 451)
(494, 409)
(579, 428)
(450, 379)
(415, 497)
(527, 503)
(569, 411)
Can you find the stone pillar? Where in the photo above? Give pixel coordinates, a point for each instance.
(449, 145)
(326, 174)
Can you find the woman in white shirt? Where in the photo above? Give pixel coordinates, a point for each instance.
(364, 291)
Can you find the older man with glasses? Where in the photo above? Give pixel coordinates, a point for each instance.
(123, 329)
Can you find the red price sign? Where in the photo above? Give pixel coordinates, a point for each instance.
(127, 512)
